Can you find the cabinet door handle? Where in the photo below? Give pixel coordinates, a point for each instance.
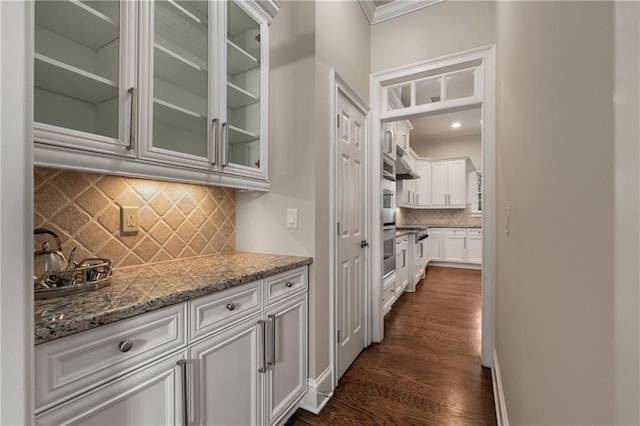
(231, 306)
(263, 356)
(418, 198)
(465, 242)
(272, 347)
(185, 404)
(133, 125)
(288, 284)
(225, 144)
(408, 197)
(216, 130)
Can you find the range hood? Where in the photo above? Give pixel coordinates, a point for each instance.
(403, 169)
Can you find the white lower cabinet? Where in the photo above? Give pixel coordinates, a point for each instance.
(149, 396)
(227, 383)
(243, 363)
(455, 245)
(286, 358)
(435, 243)
(474, 245)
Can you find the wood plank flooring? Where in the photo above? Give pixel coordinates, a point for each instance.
(427, 370)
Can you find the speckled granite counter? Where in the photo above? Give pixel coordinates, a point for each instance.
(138, 289)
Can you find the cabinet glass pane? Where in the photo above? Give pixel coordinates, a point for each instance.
(180, 76)
(243, 87)
(76, 65)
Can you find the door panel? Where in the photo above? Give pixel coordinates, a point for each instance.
(351, 187)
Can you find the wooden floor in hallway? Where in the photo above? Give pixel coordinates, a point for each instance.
(427, 370)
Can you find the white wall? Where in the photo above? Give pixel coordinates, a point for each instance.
(556, 282)
(307, 39)
(462, 146)
(16, 214)
(627, 210)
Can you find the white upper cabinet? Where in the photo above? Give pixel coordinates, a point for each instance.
(423, 184)
(84, 67)
(244, 130)
(449, 183)
(176, 88)
(389, 139)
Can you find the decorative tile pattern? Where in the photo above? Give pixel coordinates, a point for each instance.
(176, 220)
(441, 218)
(144, 288)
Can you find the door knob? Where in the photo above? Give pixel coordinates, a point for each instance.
(364, 243)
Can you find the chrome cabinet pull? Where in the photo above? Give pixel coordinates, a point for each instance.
(417, 198)
(225, 144)
(231, 306)
(272, 349)
(216, 124)
(125, 346)
(263, 357)
(288, 284)
(185, 405)
(133, 125)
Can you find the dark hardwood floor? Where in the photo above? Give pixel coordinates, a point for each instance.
(427, 370)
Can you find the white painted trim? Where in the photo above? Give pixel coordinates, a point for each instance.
(486, 55)
(392, 10)
(16, 213)
(337, 85)
(498, 393)
(460, 265)
(319, 392)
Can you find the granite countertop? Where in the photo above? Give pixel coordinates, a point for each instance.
(143, 288)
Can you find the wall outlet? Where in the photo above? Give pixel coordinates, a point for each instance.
(129, 219)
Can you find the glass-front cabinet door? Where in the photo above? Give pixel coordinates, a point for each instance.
(175, 83)
(84, 74)
(244, 131)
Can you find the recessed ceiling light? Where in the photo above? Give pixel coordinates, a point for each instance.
(456, 124)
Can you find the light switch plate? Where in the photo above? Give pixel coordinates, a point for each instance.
(292, 218)
(129, 219)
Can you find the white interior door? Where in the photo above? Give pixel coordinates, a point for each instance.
(350, 298)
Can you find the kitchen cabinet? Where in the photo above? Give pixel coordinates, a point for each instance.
(172, 89)
(227, 382)
(388, 293)
(402, 264)
(449, 183)
(152, 395)
(403, 131)
(423, 184)
(435, 244)
(241, 356)
(455, 245)
(420, 259)
(474, 245)
(405, 192)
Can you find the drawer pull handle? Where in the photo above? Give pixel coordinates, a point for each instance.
(231, 306)
(289, 284)
(125, 346)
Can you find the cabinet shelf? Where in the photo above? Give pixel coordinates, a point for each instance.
(239, 60)
(181, 118)
(238, 97)
(238, 135)
(77, 21)
(68, 80)
(189, 73)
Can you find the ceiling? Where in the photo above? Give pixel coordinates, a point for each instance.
(383, 10)
(438, 127)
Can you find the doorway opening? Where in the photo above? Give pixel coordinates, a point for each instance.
(435, 97)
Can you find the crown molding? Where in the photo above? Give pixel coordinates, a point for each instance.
(393, 9)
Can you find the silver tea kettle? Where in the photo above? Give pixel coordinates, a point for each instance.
(47, 260)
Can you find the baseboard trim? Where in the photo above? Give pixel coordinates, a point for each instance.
(319, 392)
(498, 393)
(455, 264)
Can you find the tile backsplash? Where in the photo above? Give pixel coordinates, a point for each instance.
(176, 220)
(438, 217)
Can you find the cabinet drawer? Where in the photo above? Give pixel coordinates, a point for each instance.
(72, 365)
(472, 232)
(456, 231)
(281, 286)
(216, 311)
(388, 296)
